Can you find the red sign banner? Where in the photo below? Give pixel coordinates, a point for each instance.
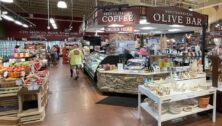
(175, 15)
(126, 17)
(119, 29)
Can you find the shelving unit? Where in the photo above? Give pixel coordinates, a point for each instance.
(174, 96)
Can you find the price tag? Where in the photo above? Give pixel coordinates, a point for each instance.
(18, 82)
(5, 74)
(91, 47)
(23, 73)
(5, 64)
(32, 69)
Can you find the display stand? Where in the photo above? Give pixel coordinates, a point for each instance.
(35, 114)
(174, 97)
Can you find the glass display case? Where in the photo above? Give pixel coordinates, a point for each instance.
(92, 62)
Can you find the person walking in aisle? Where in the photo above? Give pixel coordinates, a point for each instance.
(75, 60)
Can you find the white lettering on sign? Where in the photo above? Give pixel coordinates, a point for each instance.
(177, 19)
(115, 17)
(180, 19)
(119, 29)
(156, 17)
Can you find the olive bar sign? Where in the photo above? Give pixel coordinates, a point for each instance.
(175, 15)
(128, 29)
(128, 17)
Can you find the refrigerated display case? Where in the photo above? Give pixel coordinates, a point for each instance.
(95, 59)
(92, 62)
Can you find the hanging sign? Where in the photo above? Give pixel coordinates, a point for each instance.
(129, 16)
(175, 15)
(128, 29)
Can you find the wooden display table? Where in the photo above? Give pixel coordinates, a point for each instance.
(34, 114)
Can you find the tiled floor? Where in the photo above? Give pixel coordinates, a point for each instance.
(72, 103)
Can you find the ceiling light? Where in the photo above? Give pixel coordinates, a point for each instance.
(6, 17)
(174, 30)
(55, 27)
(18, 22)
(147, 28)
(52, 21)
(176, 26)
(61, 4)
(25, 25)
(115, 25)
(7, 1)
(136, 30)
(190, 8)
(218, 25)
(4, 12)
(99, 31)
(144, 21)
(157, 32)
(102, 29)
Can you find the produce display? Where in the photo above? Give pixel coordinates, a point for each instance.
(23, 71)
(15, 70)
(39, 77)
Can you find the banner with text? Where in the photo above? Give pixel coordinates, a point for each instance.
(126, 17)
(175, 15)
(128, 29)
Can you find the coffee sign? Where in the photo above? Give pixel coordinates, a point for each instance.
(126, 17)
(175, 15)
(128, 29)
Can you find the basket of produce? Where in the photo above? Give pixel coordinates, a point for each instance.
(14, 74)
(203, 102)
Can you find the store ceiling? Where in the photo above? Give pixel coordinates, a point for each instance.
(79, 8)
(85, 7)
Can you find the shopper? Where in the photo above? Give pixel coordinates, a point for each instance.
(75, 59)
(16, 49)
(53, 54)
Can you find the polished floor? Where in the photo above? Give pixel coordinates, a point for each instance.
(73, 103)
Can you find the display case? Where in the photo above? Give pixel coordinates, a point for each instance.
(93, 61)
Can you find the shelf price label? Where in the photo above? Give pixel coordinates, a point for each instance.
(18, 82)
(5, 74)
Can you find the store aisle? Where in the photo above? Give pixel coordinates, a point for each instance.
(73, 103)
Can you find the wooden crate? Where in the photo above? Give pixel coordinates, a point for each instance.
(7, 92)
(8, 97)
(10, 121)
(32, 115)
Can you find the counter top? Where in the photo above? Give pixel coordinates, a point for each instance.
(132, 72)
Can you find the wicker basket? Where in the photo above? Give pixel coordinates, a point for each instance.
(203, 102)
